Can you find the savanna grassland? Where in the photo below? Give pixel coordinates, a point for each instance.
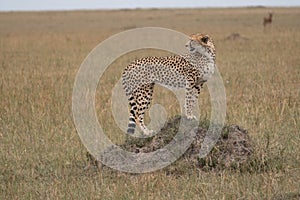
(41, 155)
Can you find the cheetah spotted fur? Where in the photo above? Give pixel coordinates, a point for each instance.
(189, 71)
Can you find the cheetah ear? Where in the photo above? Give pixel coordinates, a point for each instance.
(193, 37)
(204, 39)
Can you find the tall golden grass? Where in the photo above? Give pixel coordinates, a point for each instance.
(41, 155)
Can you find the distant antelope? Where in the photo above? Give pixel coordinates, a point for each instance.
(268, 20)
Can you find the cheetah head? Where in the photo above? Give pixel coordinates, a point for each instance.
(202, 44)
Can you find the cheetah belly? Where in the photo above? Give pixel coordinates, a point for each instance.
(148, 73)
(168, 77)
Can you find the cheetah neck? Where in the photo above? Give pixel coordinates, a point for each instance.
(199, 58)
(203, 63)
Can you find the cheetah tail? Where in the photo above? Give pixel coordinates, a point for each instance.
(131, 125)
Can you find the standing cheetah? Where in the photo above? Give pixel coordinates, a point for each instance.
(189, 71)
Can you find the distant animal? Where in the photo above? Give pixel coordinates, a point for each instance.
(268, 20)
(189, 71)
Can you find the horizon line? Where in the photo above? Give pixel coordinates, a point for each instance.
(142, 8)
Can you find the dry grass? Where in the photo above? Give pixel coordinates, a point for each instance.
(41, 155)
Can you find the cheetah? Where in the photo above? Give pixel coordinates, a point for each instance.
(189, 71)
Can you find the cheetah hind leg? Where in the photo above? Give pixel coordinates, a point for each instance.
(139, 103)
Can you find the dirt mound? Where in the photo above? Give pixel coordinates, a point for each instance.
(235, 36)
(232, 149)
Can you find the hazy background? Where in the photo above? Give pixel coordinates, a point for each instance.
(28, 5)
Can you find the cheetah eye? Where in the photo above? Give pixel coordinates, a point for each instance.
(204, 39)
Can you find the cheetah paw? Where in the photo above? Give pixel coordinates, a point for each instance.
(148, 132)
(191, 117)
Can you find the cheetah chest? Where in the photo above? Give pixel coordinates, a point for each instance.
(208, 71)
(203, 64)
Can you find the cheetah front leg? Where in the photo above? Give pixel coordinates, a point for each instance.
(192, 94)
